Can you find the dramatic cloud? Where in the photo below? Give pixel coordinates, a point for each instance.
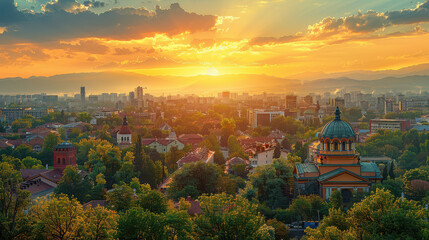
(94, 4)
(369, 22)
(68, 19)
(70, 6)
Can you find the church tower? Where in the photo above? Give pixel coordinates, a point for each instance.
(123, 137)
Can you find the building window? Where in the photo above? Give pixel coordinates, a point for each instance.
(350, 145)
(335, 146)
(328, 146)
(343, 146)
(59, 160)
(64, 161)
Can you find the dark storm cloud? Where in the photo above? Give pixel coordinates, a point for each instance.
(67, 19)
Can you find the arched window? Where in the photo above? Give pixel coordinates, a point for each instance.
(59, 160)
(343, 146)
(328, 146)
(335, 146)
(64, 161)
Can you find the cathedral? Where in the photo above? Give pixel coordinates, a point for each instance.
(336, 165)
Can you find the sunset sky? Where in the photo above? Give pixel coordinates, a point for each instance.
(191, 37)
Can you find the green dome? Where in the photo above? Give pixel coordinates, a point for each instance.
(337, 128)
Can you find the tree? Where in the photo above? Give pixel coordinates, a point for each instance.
(228, 129)
(336, 200)
(307, 207)
(285, 144)
(172, 157)
(58, 218)
(120, 198)
(153, 201)
(49, 142)
(409, 176)
(84, 117)
(286, 124)
(105, 159)
(197, 178)
(383, 215)
(408, 160)
(280, 229)
(334, 226)
(391, 171)
(277, 151)
(227, 217)
(13, 202)
(274, 183)
(73, 184)
(395, 186)
(100, 223)
(127, 171)
(140, 224)
(31, 163)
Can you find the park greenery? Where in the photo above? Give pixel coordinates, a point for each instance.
(243, 205)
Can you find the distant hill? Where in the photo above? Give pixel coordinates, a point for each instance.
(123, 82)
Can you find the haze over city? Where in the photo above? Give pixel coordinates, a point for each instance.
(214, 119)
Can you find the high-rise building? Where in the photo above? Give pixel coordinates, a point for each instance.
(82, 94)
(139, 97)
(131, 96)
(388, 106)
(291, 101)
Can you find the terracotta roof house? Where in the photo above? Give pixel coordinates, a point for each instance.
(198, 154)
(234, 161)
(194, 139)
(162, 145)
(36, 142)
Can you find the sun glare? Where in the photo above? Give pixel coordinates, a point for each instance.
(212, 71)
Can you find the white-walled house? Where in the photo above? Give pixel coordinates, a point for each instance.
(163, 145)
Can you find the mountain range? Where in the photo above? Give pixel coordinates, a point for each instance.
(411, 79)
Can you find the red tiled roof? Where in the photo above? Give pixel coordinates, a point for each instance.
(125, 130)
(198, 154)
(4, 144)
(236, 160)
(15, 143)
(147, 141)
(38, 187)
(28, 174)
(191, 138)
(53, 175)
